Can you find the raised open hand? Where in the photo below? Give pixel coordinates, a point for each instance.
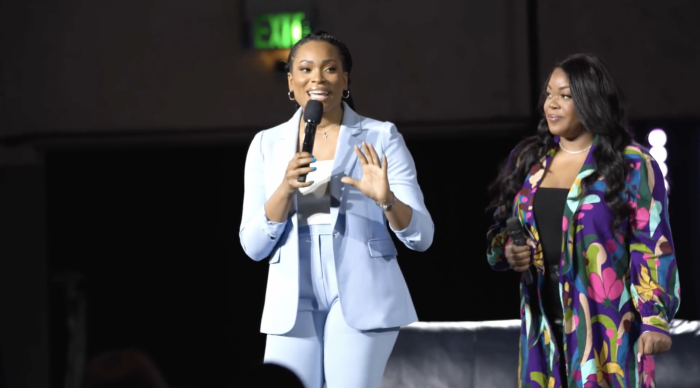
(374, 182)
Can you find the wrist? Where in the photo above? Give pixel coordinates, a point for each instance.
(385, 199)
(285, 190)
(386, 202)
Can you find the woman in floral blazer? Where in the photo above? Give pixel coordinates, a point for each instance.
(607, 287)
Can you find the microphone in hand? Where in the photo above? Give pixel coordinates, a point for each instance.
(521, 253)
(313, 111)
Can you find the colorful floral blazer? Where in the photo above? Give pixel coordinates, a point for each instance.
(614, 284)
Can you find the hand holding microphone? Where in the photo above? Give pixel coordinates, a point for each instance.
(298, 167)
(519, 253)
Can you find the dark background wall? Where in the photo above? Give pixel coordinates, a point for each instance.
(24, 326)
(133, 65)
(124, 126)
(177, 64)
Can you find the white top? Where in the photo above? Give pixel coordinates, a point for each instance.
(314, 202)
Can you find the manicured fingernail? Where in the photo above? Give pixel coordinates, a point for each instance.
(313, 168)
(312, 182)
(313, 160)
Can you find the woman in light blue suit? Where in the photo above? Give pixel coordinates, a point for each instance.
(335, 294)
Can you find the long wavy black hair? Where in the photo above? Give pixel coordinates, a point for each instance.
(598, 103)
(323, 36)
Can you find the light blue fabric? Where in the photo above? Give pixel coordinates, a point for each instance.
(371, 287)
(321, 346)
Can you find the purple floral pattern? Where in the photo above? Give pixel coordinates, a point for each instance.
(614, 284)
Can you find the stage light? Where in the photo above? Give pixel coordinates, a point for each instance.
(659, 153)
(657, 137)
(657, 140)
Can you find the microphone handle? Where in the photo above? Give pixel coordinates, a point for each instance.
(519, 239)
(308, 145)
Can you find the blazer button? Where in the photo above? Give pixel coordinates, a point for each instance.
(335, 234)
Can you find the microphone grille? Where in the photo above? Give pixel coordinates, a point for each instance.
(513, 224)
(313, 111)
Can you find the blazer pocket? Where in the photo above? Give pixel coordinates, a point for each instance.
(381, 247)
(275, 258)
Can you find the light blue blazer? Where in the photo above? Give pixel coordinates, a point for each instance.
(371, 287)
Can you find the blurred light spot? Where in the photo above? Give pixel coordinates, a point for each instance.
(657, 140)
(659, 153)
(657, 137)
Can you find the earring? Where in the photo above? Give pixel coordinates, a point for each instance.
(346, 96)
(290, 94)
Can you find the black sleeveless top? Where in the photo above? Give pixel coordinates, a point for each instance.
(548, 209)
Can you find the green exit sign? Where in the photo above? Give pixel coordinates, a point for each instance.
(279, 30)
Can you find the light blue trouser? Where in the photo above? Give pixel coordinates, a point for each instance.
(321, 346)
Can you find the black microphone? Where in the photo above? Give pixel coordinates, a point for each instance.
(312, 116)
(517, 234)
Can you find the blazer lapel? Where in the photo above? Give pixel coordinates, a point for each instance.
(525, 209)
(289, 138)
(574, 201)
(286, 147)
(345, 157)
